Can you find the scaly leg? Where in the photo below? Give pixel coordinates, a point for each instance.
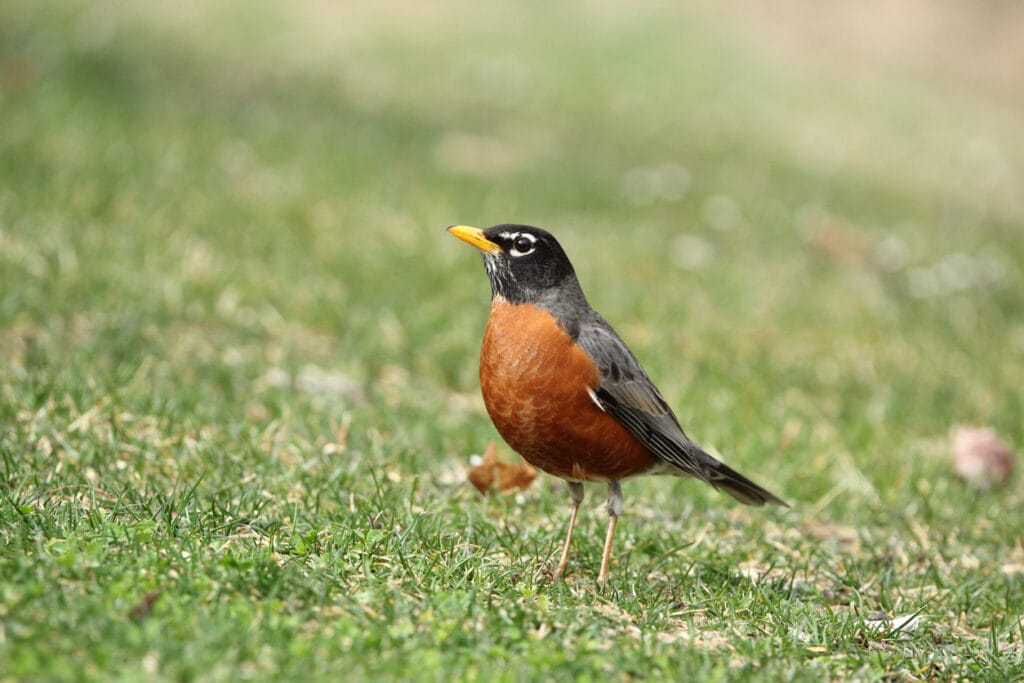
(576, 491)
(614, 509)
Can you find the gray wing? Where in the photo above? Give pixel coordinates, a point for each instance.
(627, 394)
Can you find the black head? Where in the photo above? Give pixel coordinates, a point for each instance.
(525, 264)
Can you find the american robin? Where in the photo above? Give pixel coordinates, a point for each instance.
(566, 392)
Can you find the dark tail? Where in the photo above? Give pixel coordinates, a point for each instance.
(725, 478)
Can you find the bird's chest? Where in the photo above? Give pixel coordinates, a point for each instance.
(535, 381)
(531, 371)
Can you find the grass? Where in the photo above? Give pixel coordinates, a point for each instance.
(238, 352)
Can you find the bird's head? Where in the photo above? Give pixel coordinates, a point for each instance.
(524, 264)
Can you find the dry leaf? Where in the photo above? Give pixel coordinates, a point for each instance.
(898, 624)
(140, 611)
(834, 237)
(491, 474)
(981, 457)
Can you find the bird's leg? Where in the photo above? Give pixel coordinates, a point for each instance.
(614, 509)
(576, 491)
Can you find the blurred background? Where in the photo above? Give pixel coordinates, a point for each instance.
(238, 350)
(806, 219)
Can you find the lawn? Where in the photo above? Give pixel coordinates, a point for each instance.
(238, 351)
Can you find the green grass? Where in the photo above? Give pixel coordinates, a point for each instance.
(238, 352)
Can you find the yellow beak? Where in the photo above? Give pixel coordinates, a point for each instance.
(475, 236)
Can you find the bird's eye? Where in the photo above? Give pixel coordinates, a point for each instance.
(522, 246)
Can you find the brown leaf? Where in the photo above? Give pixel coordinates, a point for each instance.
(492, 475)
(145, 606)
(835, 238)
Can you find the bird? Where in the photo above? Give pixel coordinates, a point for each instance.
(567, 394)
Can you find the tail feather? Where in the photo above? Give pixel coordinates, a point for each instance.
(725, 478)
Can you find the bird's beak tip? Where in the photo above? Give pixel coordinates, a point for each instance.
(474, 236)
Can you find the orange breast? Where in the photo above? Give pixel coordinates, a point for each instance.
(534, 381)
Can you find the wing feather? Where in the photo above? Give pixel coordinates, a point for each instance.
(628, 395)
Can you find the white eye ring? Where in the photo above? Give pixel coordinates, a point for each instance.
(520, 249)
